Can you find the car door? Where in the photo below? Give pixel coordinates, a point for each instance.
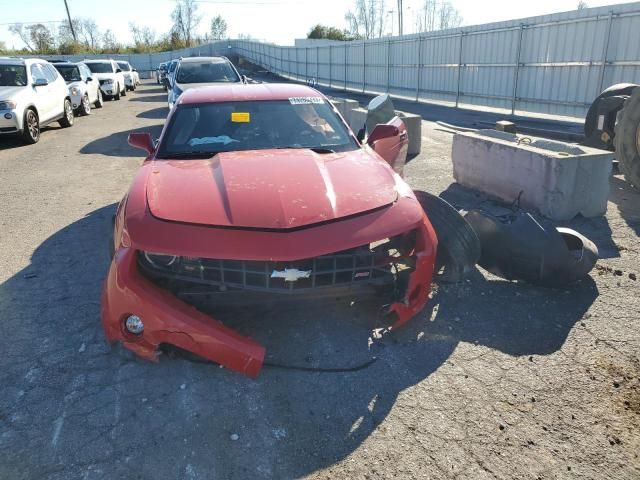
(393, 149)
(59, 89)
(90, 82)
(42, 93)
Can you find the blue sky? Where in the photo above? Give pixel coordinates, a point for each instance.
(278, 21)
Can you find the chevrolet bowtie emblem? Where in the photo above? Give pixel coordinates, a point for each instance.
(291, 274)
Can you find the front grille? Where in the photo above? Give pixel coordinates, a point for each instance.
(376, 264)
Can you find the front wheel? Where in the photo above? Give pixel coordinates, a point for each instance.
(117, 94)
(85, 106)
(31, 127)
(124, 91)
(99, 101)
(67, 120)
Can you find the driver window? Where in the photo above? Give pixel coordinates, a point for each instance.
(37, 73)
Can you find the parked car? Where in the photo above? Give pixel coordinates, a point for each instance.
(32, 95)
(260, 194)
(201, 71)
(83, 89)
(171, 68)
(131, 77)
(161, 73)
(110, 76)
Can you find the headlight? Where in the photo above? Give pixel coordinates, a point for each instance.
(159, 260)
(8, 105)
(75, 91)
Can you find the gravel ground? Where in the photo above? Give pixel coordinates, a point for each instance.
(493, 380)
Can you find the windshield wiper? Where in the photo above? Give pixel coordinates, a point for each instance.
(302, 147)
(196, 154)
(322, 150)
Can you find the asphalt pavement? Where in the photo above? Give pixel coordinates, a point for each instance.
(493, 379)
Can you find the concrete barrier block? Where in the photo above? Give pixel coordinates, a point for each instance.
(356, 119)
(557, 179)
(413, 123)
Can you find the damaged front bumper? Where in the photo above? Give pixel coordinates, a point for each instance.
(169, 319)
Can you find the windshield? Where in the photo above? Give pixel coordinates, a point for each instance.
(13, 76)
(70, 73)
(100, 67)
(124, 66)
(206, 73)
(307, 122)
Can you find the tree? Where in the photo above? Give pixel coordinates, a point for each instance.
(109, 42)
(185, 20)
(438, 15)
(218, 28)
(367, 19)
(143, 37)
(331, 33)
(582, 5)
(19, 30)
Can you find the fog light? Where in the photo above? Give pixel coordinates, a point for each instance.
(134, 324)
(8, 116)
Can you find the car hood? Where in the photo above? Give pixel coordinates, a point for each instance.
(10, 93)
(269, 189)
(104, 76)
(189, 86)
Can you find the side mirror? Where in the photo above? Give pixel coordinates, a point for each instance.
(134, 70)
(361, 134)
(143, 141)
(381, 131)
(244, 79)
(89, 79)
(118, 70)
(40, 82)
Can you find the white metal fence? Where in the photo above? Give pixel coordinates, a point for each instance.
(554, 64)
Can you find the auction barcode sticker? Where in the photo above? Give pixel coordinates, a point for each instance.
(305, 100)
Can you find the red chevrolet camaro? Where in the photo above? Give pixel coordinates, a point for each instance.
(257, 191)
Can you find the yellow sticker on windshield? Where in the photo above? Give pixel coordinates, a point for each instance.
(240, 117)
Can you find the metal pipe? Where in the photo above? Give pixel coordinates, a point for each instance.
(459, 69)
(345, 67)
(389, 63)
(605, 53)
(517, 71)
(364, 65)
(418, 68)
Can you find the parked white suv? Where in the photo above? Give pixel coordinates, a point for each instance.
(32, 94)
(110, 76)
(131, 77)
(83, 89)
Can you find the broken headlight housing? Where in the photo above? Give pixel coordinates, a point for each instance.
(159, 260)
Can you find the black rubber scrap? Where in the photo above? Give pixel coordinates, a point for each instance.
(518, 246)
(458, 244)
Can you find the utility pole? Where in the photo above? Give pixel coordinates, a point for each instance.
(73, 32)
(399, 17)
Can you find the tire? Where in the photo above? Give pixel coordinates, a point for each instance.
(627, 139)
(31, 127)
(116, 96)
(458, 244)
(85, 105)
(124, 91)
(67, 120)
(100, 100)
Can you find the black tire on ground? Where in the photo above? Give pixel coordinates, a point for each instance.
(85, 105)
(458, 244)
(124, 91)
(30, 127)
(116, 96)
(627, 139)
(584, 254)
(67, 119)
(100, 100)
(591, 120)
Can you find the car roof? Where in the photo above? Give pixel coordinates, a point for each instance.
(243, 93)
(204, 60)
(98, 60)
(20, 61)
